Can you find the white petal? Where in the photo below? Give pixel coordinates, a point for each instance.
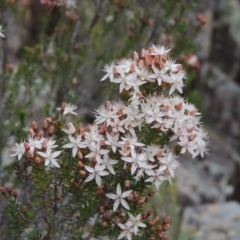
(98, 180)
(116, 204)
(55, 163)
(111, 195)
(124, 203)
(119, 191)
(125, 194)
(89, 178)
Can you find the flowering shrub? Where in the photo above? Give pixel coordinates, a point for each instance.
(94, 181)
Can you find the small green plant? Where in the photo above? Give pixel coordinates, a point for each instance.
(94, 181)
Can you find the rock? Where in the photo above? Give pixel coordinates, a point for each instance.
(212, 221)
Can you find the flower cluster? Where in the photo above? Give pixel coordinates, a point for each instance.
(133, 143)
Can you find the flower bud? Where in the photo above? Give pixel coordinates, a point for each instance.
(101, 209)
(2, 191)
(34, 126)
(130, 197)
(80, 164)
(166, 227)
(140, 200)
(63, 107)
(14, 193)
(116, 220)
(150, 212)
(109, 105)
(9, 190)
(167, 220)
(201, 18)
(147, 199)
(127, 183)
(151, 193)
(45, 125)
(26, 146)
(106, 217)
(24, 209)
(38, 160)
(159, 228)
(49, 120)
(104, 224)
(30, 155)
(41, 134)
(83, 173)
(135, 56)
(80, 155)
(31, 132)
(51, 130)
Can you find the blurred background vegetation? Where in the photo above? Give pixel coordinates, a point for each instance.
(54, 52)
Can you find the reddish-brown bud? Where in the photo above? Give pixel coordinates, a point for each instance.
(159, 228)
(31, 133)
(14, 193)
(2, 191)
(40, 134)
(167, 220)
(74, 81)
(109, 105)
(49, 120)
(201, 18)
(166, 227)
(63, 107)
(104, 224)
(38, 160)
(127, 183)
(80, 164)
(100, 191)
(135, 56)
(106, 217)
(34, 126)
(150, 212)
(83, 173)
(116, 220)
(147, 199)
(140, 200)
(30, 155)
(45, 125)
(151, 193)
(82, 132)
(80, 155)
(44, 144)
(101, 209)
(130, 197)
(51, 130)
(26, 146)
(9, 190)
(24, 209)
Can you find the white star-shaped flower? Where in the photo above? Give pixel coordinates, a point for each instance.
(68, 109)
(96, 173)
(136, 222)
(119, 198)
(75, 143)
(126, 230)
(50, 157)
(18, 150)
